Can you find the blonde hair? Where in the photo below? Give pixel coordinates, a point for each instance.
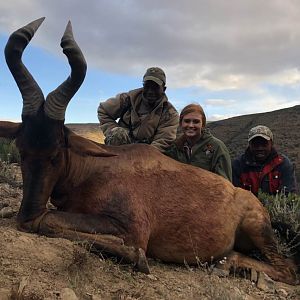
(193, 108)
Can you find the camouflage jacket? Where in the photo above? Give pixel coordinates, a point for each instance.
(157, 128)
(208, 153)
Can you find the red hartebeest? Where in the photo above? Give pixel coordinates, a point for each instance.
(127, 200)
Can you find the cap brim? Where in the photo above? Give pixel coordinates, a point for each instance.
(260, 135)
(155, 79)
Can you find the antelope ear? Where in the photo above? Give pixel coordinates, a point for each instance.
(85, 147)
(9, 129)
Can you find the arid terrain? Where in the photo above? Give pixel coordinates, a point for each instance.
(37, 267)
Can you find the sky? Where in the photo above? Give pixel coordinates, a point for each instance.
(233, 57)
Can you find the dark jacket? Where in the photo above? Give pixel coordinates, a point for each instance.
(208, 153)
(274, 175)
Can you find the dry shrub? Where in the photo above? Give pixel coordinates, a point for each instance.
(8, 151)
(284, 210)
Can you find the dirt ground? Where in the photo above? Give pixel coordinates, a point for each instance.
(37, 267)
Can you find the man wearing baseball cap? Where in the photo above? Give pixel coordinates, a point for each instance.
(143, 115)
(262, 167)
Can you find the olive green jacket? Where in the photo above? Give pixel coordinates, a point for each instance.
(157, 128)
(208, 153)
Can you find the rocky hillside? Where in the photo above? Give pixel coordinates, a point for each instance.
(89, 130)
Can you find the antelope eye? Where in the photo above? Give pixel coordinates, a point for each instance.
(55, 159)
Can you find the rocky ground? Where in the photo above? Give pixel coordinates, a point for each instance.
(37, 267)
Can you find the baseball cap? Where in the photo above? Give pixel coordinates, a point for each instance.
(262, 131)
(155, 74)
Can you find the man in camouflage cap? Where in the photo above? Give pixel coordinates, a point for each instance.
(262, 167)
(144, 115)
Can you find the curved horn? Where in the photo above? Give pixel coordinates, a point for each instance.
(31, 93)
(57, 100)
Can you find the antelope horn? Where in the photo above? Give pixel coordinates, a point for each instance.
(57, 100)
(31, 93)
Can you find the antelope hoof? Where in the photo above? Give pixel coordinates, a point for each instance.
(142, 262)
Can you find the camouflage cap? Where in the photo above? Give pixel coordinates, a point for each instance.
(155, 74)
(262, 131)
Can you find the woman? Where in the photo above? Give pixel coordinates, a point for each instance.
(197, 146)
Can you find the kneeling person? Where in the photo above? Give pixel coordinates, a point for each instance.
(145, 114)
(262, 167)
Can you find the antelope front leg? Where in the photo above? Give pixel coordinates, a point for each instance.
(99, 232)
(111, 244)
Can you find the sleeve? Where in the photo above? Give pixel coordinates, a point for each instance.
(222, 162)
(166, 131)
(171, 151)
(110, 110)
(289, 181)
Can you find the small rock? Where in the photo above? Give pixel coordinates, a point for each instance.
(5, 294)
(220, 272)
(152, 277)
(6, 212)
(68, 294)
(265, 283)
(282, 293)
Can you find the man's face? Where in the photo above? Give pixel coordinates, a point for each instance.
(152, 91)
(260, 148)
(191, 125)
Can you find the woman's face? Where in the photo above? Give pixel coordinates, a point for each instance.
(191, 125)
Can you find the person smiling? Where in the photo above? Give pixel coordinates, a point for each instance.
(143, 115)
(197, 146)
(262, 167)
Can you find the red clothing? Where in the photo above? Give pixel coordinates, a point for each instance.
(275, 175)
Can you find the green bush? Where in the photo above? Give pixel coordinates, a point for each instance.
(284, 212)
(8, 151)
